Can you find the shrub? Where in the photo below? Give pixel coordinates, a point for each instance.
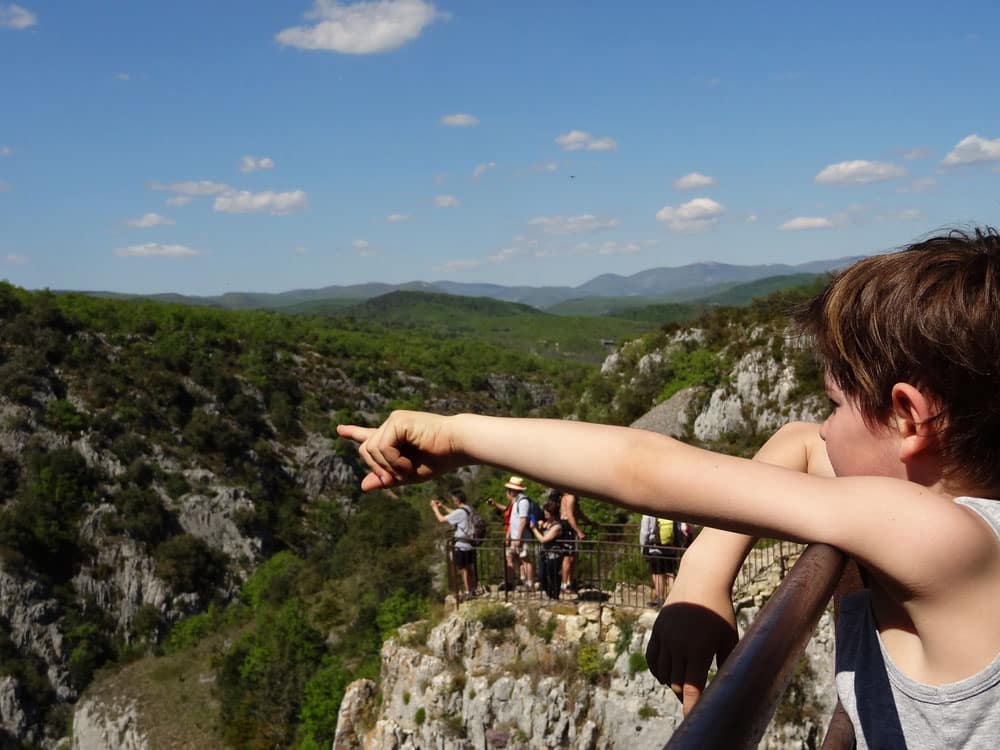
(637, 662)
(496, 616)
(398, 608)
(647, 712)
(189, 565)
(592, 664)
(321, 702)
(420, 716)
(62, 416)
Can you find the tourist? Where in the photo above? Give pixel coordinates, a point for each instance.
(464, 552)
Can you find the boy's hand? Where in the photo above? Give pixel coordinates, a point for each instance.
(692, 629)
(408, 447)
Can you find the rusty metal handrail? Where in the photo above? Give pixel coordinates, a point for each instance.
(737, 706)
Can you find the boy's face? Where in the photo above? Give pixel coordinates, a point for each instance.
(854, 448)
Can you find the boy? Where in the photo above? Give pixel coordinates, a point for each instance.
(910, 345)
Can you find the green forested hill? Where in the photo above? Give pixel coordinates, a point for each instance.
(508, 325)
(149, 447)
(174, 502)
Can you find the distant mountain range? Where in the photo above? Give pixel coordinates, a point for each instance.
(665, 284)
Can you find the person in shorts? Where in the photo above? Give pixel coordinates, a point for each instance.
(465, 554)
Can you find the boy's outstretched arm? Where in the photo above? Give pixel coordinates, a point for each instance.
(651, 473)
(698, 623)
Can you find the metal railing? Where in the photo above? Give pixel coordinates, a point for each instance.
(609, 566)
(738, 704)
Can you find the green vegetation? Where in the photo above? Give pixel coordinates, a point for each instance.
(496, 616)
(592, 664)
(128, 414)
(506, 325)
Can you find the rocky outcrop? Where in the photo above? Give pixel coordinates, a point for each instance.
(213, 519)
(469, 686)
(16, 719)
(321, 471)
(123, 578)
(99, 726)
(757, 397)
(32, 618)
(672, 416)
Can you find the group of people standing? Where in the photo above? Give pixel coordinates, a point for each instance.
(555, 527)
(550, 535)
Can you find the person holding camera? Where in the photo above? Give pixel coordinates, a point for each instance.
(465, 553)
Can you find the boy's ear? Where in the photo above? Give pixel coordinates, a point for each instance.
(913, 410)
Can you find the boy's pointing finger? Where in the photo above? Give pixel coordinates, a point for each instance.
(354, 432)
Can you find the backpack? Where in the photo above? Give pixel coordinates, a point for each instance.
(478, 527)
(665, 532)
(534, 509)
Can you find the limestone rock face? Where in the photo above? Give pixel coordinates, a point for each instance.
(757, 396)
(97, 726)
(16, 719)
(321, 471)
(32, 617)
(670, 417)
(464, 685)
(122, 578)
(212, 518)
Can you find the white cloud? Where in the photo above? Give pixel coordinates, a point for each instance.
(858, 172)
(267, 202)
(973, 149)
(693, 181)
(393, 218)
(904, 214)
(364, 248)
(579, 224)
(480, 170)
(546, 166)
(179, 200)
(300, 250)
(696, 215)
(752, 218)
(15, 17)
(613, 247)
(801, 223)
(123, 77)
(361, 28)
(16, 260)
(445, 201)
(460, 120)
(4, 187)
(5, 151)
(192, 188)
(155, 249)
(149, 220)
(916, 153)
(581, 140)
(918, 186)
(252, 163)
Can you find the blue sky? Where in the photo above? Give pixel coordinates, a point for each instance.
(267, 146)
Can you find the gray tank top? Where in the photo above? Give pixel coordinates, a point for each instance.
(888, 709)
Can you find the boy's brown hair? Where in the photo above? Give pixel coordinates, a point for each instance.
(927, 315)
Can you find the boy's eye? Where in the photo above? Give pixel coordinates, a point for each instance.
(833, 404)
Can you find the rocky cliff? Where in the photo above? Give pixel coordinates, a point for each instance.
(558, 675)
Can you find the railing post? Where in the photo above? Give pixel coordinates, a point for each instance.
(737, 706)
